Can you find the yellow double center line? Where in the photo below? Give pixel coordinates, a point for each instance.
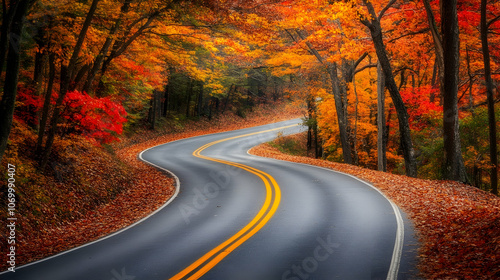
(271, 203)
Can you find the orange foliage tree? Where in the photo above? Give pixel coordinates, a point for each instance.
(333, 45)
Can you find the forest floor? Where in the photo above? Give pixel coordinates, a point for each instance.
(92, 192)
(458, 225)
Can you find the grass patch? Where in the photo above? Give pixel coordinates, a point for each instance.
(293, 144)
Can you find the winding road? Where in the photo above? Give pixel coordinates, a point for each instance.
(238, 216)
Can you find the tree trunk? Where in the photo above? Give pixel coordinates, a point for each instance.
(46, 103)
(210, 105)
(490, 100)
(189, 96)
(310, 120)
(381, 143)
(152, 111)
(454, 168)
(228, 98)
(471, 83)
(199, 108)
(7, 17)
(309, 139)
(341, 114)
(404, 127)
(438, 44)
(39, 69)
(8, 101)
(166, 96)
(155, 110)
(317, 146)
(356, 115)
(217, 106)
(434, 82)
(477, 176)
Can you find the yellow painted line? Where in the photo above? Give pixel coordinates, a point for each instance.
(269, 207)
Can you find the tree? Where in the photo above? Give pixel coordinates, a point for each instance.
(373, 24)
(134, 30)
(490, 99)
(340, 102)
(333, 41)
(454, 168)
(438, 44)
(67, 75)
(12, 26)
(96, 66)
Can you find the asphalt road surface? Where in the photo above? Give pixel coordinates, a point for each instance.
(237, 216)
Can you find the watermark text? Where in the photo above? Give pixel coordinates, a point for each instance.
(310, 264)
(11, 217)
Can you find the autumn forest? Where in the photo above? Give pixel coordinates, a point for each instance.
(406, 87)
(402, 86)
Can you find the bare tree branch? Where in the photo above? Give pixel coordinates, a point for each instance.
(381, 14)
(493, 20)
(421, 31)
(365, 67)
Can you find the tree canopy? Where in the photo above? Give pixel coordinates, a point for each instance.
(100, 67)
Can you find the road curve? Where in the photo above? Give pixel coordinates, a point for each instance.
(238, 216)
